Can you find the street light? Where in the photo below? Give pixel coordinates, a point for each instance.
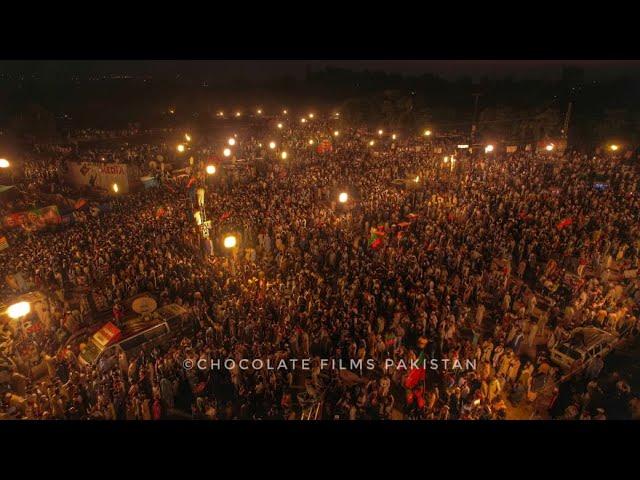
(311, 115)
(380, 132)
(279, 125)
(259, 112)
(394, 136)
(283, 155)
(427, 133)
(181, 148)
(226, 152)
(284, 112)
(336, 133)
(303, 120)
(488, 149)
(614, 147)
(211, 169)
(343, 197)
(232, 141)
(549, 147)
(272, 145)
(238, 114)
(4, 163)
(187, 137)
(371, 143)
(417, 179)
(311, 141)
(230, 241)
(18, 310)
(115, 187)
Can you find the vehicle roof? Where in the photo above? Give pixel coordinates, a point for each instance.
(586, 337)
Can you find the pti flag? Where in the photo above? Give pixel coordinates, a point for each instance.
(375, 239)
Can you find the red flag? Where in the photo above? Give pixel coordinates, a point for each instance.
(416, 375)
(564, 223)
(376, 243)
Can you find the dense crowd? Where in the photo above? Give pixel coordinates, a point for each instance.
(490, 259)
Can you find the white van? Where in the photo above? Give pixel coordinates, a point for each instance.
(584, 345)
(162, 325)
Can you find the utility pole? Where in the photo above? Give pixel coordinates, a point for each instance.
(567, 119)
(475, 117)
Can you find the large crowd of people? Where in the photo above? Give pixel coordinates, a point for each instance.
(486, 259)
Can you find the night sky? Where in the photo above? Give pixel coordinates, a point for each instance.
(258, 70)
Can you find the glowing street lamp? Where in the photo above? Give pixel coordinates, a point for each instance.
(303, 120)
(446, 159)
(211, 169)
(343, 197)
(380, 132)
(427, 133)
(549, 147)
(19, 310)
(394, 136)
(272, 145)
(417, 179)
(259, 112)
(372, 143)
(311, 115)
(115, 188)
(336, 133)
(221, 113)
(613, 147)
(230, 241)
(311, 141)
(238, 114)
(180, 148)
(488, 149)
(4, 163)
(283, 155)
(231, 141)
(284, 112)
(226, 152)
(187, 137)
(279, 125)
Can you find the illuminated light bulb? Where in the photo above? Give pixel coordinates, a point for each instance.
(230, 241)
(18, 310)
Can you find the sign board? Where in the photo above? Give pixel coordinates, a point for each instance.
(98, 175)
(107, 335)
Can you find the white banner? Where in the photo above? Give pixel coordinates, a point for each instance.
(98, 175)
